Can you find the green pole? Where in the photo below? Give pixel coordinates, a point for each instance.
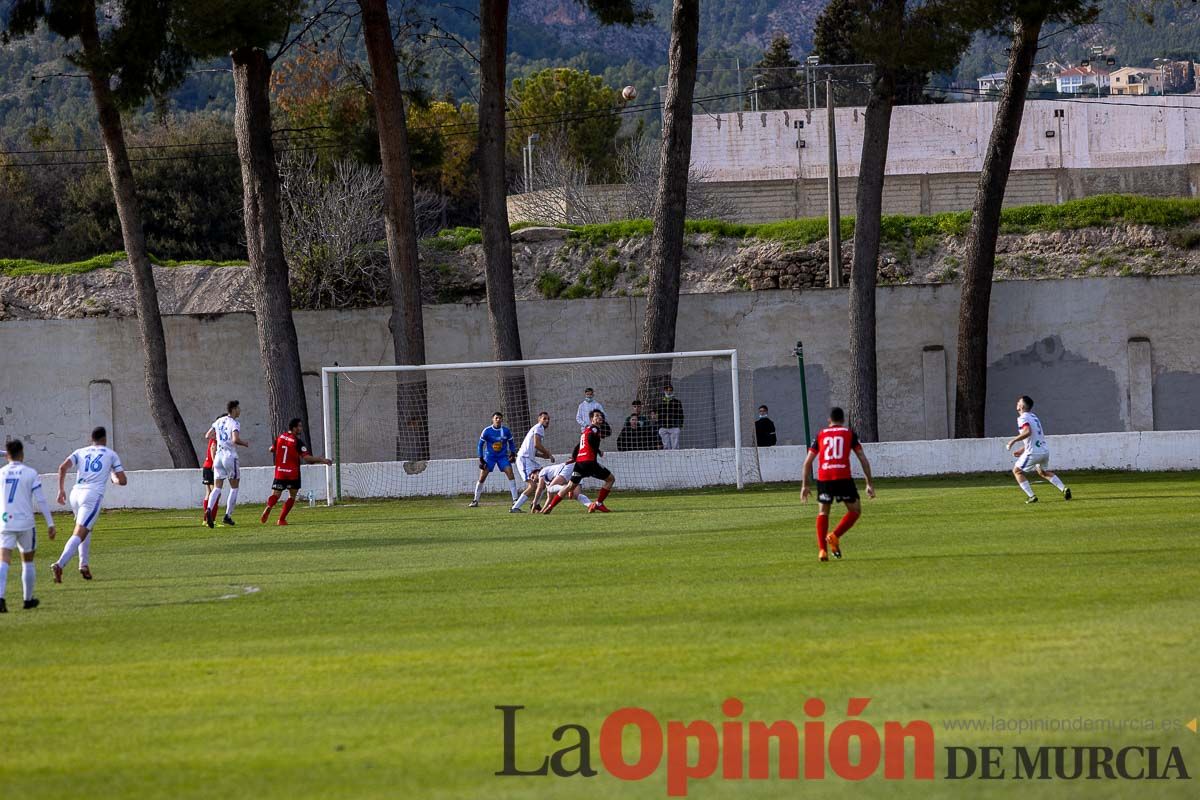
(803, 391)
(337, 439)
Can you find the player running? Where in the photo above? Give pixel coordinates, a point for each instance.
(94, 467)
(289, 450)
(527, 465)
(227, 432)
(206, 477)
(496, 451)
(557, 475)
(831, 450)
(1035, 455)
(587, 465)
(19, 488)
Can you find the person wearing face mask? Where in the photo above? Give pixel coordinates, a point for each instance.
(764, 429)
(670, 418)
(583, 415)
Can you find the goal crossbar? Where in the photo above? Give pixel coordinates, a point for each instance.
(327, 407)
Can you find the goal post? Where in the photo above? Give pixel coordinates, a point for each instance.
(370, 425)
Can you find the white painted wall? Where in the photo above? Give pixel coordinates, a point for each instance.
(1111, 132)
(661, 470)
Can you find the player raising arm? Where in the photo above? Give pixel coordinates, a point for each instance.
(93, 466)
(19, 488)
(527, 466)
(835, 484)
(289, 450)
(496, 451)
(228, 433)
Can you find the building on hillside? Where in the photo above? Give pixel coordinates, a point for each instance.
(1136, 81)
(1083, 80)
(991, 83)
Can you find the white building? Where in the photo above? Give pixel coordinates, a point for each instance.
(1081, 80)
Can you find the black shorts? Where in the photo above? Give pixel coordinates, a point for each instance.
(843, 491)
(285, 484)
(206, 476)
(589, 469)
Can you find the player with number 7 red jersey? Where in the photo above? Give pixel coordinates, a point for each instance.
(835, 483)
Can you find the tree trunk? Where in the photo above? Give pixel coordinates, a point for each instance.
(980, 262)
(406, 323)
(670, 202)
(272, 299)
(864, 271)
(154, 346)
(493, 209)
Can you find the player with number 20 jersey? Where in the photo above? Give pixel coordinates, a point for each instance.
(835, 483)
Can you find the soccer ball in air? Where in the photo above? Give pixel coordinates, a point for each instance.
(629, 93)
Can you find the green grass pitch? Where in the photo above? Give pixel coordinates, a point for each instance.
(359, 653)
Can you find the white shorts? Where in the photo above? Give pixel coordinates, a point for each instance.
(1028, 461)
(527, 468)
(25, 541)
(225, 465)
(86, 505)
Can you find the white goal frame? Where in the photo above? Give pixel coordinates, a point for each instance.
(327, 405)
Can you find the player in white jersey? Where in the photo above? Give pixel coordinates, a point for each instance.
(228, 433)
(19, 488)
(557, 475)
(1035, 455)
(527, 464)
(93, 466)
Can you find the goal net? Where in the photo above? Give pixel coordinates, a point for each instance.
(415, 431)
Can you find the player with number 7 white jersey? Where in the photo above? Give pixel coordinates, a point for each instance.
(94, 466)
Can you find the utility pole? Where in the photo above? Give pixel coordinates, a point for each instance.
(835, 210)
(741, 97)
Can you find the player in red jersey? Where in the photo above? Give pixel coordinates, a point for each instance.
(831, 450)
(289, 450)
(206, 477)
(587, 465)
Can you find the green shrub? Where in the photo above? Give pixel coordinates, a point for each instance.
(454, 239)
(551, 285)
(1185, 240)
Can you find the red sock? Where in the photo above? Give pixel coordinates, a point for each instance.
(204, 509)
(847, 523)
(272, 500)
(603, 494)
(822, 529)
(287, 506)
(554, 500)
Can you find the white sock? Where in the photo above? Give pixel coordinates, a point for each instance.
(85, 550)
(1026, 488)
(69, 551)
(3, 578)
(478, 490)
(232, 502)
(1058, 484)
(583, 498)
(28, 573)
(512, 489)
(214, 498)
(521, 501)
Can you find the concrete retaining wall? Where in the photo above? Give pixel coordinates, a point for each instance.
(1112, 354)
(1138, 452)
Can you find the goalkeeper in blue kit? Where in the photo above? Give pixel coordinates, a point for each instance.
(497, 450)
